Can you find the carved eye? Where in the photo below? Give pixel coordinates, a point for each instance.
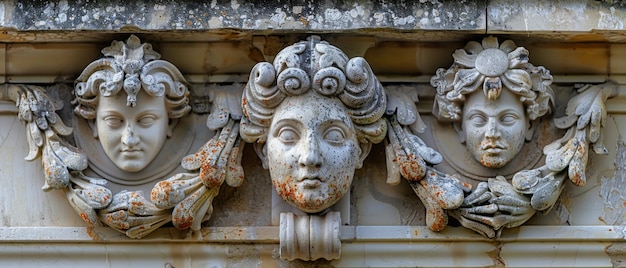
(113, 121)
(478, 119)
(147, 120)
(334, 135)
(288, 134)
(509, 119)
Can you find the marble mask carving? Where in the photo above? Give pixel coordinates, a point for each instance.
(494, 97)
(494, 92)
(132, 99)
(313, 114)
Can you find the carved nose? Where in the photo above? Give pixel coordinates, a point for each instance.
(128, 137)
(492, 129)
(311, 155)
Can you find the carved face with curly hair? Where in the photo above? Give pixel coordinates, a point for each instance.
(495, 93)
(313, 116)
(131, 124)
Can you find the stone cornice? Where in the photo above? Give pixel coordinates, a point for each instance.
(362, 246)
(57, 21)
(349, 234)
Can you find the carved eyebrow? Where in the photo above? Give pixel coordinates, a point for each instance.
(337, 122)
(473, 111)
(286, 121)
(109, 112)
(151, 111)
(510, 111)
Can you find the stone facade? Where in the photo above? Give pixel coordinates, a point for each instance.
(306, 133)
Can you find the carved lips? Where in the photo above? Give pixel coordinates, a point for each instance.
(493, 148)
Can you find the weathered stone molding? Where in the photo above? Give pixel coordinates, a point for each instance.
(304, 77)
(362, 246)
(245, 15)
(595, 20)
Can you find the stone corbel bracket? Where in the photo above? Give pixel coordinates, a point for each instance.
(310, 237)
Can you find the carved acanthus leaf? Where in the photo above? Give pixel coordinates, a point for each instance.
(127, 212)
(131, 213)
(584, 119)
(408, 156)
(43, 131)
(401, 102)
(63, 163)
(190, 195)
(498, 203)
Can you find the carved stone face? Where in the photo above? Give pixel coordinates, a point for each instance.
(494, 130)
(132, 136)
(312, 151)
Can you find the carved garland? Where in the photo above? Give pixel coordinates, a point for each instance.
(496, 203)
(185, 199)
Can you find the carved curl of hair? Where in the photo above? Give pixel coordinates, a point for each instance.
(319, 66)
(131, 66)
(491, 66)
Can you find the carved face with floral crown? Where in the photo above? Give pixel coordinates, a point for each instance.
(496, 120)
(132, 125)
(313, 114)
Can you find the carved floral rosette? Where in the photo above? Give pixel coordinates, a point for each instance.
(185, 199)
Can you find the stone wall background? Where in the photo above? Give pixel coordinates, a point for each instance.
(218, 42)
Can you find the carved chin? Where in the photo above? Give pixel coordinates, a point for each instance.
(313, 203)
(493, 161)
(310, 200)
(131, 166)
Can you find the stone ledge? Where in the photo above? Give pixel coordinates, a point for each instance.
(362, 246)
(352, 234)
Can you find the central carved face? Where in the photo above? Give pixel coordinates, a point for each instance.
(312, 151)
(494, 130)
(132, 136)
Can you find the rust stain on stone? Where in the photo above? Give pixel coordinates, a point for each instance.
(412, 167)
(495, 256)
(616, 253)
